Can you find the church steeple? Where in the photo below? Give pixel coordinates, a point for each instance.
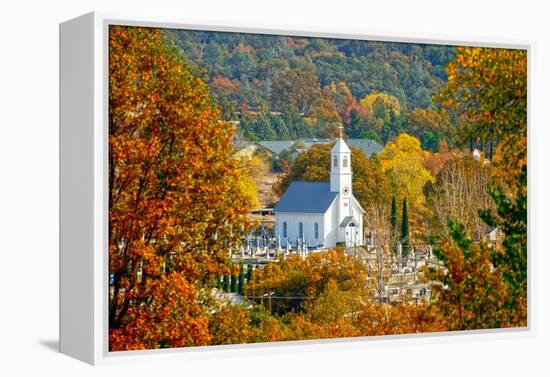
(341, 179)
(340, 168)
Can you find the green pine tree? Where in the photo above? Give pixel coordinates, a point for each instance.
(233, 283)
(405, 229)
(393, 214)
(218, 282)
(354, 128)
(249, 274)
(226, 283)
(240, 284)
(511, 219)
(393, 220)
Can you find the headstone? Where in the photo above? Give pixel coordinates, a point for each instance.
(400, 250)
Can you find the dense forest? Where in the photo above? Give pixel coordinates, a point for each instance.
(179, 196)
(281, 87)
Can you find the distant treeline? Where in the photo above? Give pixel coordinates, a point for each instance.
(281, 87)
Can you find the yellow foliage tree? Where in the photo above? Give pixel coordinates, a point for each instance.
(251, 173)
(381, 105)
(488, 88)
(402, 161)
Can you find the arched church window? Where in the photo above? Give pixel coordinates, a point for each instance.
(335, 161)
(300, 230)
(316, 229)
(345, 162)
(284, 229)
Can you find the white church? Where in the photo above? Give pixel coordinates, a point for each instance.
(322, 214)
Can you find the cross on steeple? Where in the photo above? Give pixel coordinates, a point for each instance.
(340, 128)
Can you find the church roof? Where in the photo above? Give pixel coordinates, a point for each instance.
(346, 221)
(306, 197)
(368, 146)
(340, 147)
(278, 146)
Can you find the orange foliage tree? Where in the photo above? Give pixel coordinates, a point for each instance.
(435, 161)
(328, 295)
(472, 293)
(488, 88)
(370, 185)
(299, 280)
(175, 204)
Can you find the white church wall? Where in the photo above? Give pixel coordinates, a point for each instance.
(357, 214)
(331, 225)
(341, 234)
(345, 207)
(293, 226)
(329, 232)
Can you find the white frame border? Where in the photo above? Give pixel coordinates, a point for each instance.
(101, 355)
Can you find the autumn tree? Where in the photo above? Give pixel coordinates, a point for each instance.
(511, 218)
(175, 203)
(312, 165)
(370, 185)
(487, 88)
(435, 161)
(459, 192)
(471, 293)
(334, 305)
(378, 117)
(344, 101)
(403, 164)
(297, 90)
(431, 126)
(326, 115)
(383, 240)
(374, 319)
(300, 280)
(381, 105)
(231, 325)
(250, 173)
(225, 89)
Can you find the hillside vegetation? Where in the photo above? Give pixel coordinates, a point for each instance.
(281, 87)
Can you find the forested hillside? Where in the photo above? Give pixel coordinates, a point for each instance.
(447, 232)
(281, 87)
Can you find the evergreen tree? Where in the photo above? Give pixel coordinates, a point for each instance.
(249, 274)
(393, 221)
(393, 217)
(240, 284)
(511, 219)
(233, 283)
(354, 128)
(218, 282)
(226, 283)
(405, 229)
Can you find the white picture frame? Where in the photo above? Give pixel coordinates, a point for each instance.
(83, 187)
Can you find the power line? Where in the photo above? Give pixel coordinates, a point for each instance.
(280, 297)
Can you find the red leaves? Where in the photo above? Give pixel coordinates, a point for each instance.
(172, 185)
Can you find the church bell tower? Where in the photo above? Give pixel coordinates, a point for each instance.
(340, 175)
